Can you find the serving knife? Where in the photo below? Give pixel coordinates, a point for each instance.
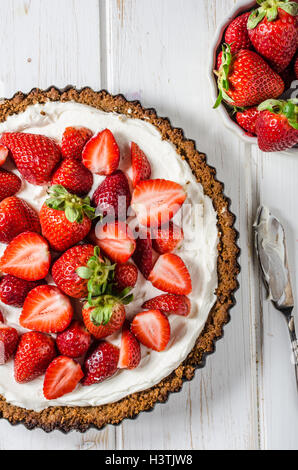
(270, 243)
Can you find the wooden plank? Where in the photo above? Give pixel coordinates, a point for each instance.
(44, 43)
(157, 52)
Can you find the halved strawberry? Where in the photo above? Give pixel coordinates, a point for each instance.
(46, 309)
(152, 329)
(169, 303)
(62, 377)
(101, 154)
(3, 154)
(171, 275)
(126, 275)
(166, 239)
(130, 351)
(73, 142)
(116, 240)
(27, 257)
(143, 255)
(157, 201)
(141, 169)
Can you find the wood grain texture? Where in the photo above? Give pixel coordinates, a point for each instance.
(157, 51)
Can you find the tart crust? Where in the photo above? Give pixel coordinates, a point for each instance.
(82, 418)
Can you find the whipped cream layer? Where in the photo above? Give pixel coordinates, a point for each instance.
(199, 252)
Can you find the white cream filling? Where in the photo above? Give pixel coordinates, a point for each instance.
(199, 251)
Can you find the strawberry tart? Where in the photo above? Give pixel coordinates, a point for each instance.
(118, 259)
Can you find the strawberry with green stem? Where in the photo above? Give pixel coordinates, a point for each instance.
(65, 218)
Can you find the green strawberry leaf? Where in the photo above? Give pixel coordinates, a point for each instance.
(84, 273)
(255, 18)
(289, 7)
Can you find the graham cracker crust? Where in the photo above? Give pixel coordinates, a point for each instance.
(82, 418)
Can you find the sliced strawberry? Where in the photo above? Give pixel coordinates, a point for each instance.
(73, 142)
(126, 275)
(157, 201)
(130, 351)
(101, 154)
(100, 363)
(166, 239)
(3, 154)
(141, 169)
(143, 255)
(9, 339)
(74, 176)
(27, 257)
(171, 275)
(152, 329)
(62, 377)
(116, 240)
(34, 354)
(74, 341)
(171, 304)
(46, 309)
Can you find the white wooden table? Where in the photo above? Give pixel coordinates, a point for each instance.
(157, 51)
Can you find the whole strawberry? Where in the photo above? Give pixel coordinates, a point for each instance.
(73, 141)
(13, 291)
(143, 255)
(100, 363)
(65, 218)
(103, 316)
(126, 275)
(74, 176)
(247, 119)
(296, 67)
(34, 354)
(277, 125)
(273, 29)
(112, 197)
(9, 339)
(237, 35)
(16, 216)
(170, 303)
(10, 184)
(74, 341)
(245, 79)
(81, 268)
(35, 156)
(141, 168)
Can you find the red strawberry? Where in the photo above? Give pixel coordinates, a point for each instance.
(245, 79)
(219, 60)
(9, 339)
(170, 303)
(34, 354)
(81, 270)
(116, 240)
(130, 351)
(101, 363)
(296, 67)
(27, 257)
(237, 35)
(73, 141)
(13, 291)
(46, 309)
(273, 29)
(126, 275)
(143, 255)
(65, 218)
(1, 317)
(74, 176)
(166, 239)
(157, 201)
(141, 169)
(101, 154)
(62, 377)
(104, 317)
(3, 154)
(247, 119)
(112, 197)
(152, 329)
(288, 75)
(10, 184)
(74, 341)
(277, 125)
(16, 216)
(35, 156)
(171, 275)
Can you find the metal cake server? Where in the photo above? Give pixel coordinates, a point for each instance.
(270, 242)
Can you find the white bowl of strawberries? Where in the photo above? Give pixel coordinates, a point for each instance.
(254, 73)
